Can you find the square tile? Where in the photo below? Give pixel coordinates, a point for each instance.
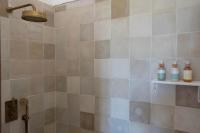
(140, 6)
(164, 5)
(120, 108)
(102, 49)
(49, 51)
(102, 87)
(102, 107)
(87, 103)
(49, 83)
(87, 85)
(102, 30)
(87, 32)
(162, 116)
(61, 100)
(120, 8)
(119, 126)
(140, 112)
(36, 50)
(50, 116)
(87, 121)
(73, 84)
(61, 83)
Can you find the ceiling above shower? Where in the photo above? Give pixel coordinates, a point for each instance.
(56, 2)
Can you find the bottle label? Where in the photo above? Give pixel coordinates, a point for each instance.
(175, 76)
(187, 75)
(161, 75)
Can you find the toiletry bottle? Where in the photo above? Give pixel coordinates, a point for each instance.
(175, 72)
(187, 72)
(161, 75)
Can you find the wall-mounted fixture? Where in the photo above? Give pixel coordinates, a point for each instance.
(11, 110)
(29, 15)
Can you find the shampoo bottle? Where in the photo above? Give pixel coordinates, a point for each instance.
(161, 74)
(175, 72)
(187, 72)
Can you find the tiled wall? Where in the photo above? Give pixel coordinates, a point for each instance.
(28, 70)
(106, 56)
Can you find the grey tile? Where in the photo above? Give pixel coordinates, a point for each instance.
(61, 83)
(61, 128)
(50, 116)
(49, 83)
(36, 85)
(87, 120)
(87, 32)
(87, 85)
(62, 115)
(102, 49)
(119, 126)
(162, 116)
(187, 96)
(87, 67)
(50, 16)
(140, 112)
(36, 121)
(49, 51)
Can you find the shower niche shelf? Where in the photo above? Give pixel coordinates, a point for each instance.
(168, 82)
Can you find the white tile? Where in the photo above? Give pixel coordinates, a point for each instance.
(120, 108)
(141, 25)
(102, 30)
(140, 128)
(120, 68)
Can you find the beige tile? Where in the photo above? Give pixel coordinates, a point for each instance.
(87, 103)
(87, 51)
(87, 121)
(61, 100)
(120, 8)
(102, 68)
(162, 116)
(49, 51)
(103, 10)
(49, 35)
(140, 112)
(49, 83)
(102, 87)
(120, 28)
(60, 8)
(74, 110)
(119, 48)
(36, 103)
(141, 25)
(50, 116)
(164, 46)
(140, 6)
(36, 122)
(187, 96)
(5, 69)
(20, 88)
(164, 5)
(61, 83)
(36, 50)
(50, 128)
(50, 16)
(3, 5)
(102, 107)
(19, 49)
(141, 47)
(36, 67)
(188, 45)
(87, 85)
(60, 128)
(73, 85)
(36, 85)
(102, 30)
(87, 32)
(186, 3)
(102, 49)
(187, 119)
(49, 100)
(5, 49)
(49, 67)
(184, 17)
(19, 68)
(61, 67)
(35, 32)
(164, 23)
(120, 88)
(87, 68)
(102, 124)
(62, 115)
(73, 67)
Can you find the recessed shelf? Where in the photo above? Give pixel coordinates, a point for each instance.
(168, 82)
(193, 83)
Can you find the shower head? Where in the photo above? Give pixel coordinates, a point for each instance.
(30, 15)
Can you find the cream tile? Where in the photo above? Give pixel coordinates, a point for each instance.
(102, 87)
(87, 103)
(141, 25)
(102, 68)
(49, 100)
(164, 5)
(36, 103)
(120, 88)
(103, 10)
(102, 30)
(140, 6)
(61, 100)
(102, 49)
(119, 8)
(73, 85)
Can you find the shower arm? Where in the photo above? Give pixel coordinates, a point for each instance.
(10, 9)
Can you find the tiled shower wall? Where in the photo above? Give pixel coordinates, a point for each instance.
(28, 69)
(106, 56)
